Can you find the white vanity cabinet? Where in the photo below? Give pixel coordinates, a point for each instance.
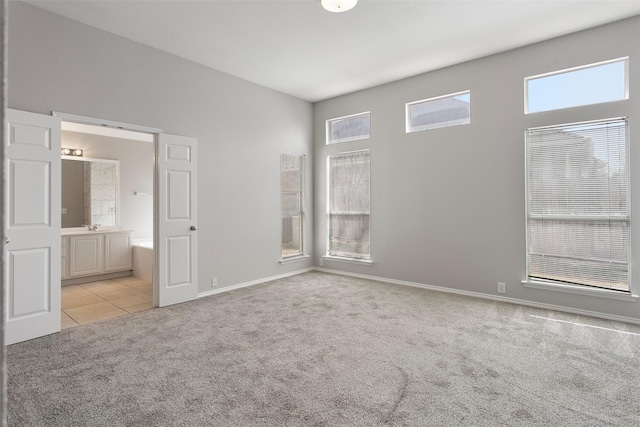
(85, 254)
(118, 253)
(93, 253)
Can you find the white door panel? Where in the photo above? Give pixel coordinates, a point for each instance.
(33, 226)
(177, 244)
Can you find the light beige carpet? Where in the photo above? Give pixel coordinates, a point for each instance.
(326, 350)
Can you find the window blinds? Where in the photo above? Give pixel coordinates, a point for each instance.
(349, 204)
(578, 204)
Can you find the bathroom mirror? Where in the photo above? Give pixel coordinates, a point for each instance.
(89, 192)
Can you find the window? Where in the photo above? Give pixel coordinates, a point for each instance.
(349, 128)
(349, 205)
(578, 204)
(590, 84)
(292, 204)
(443, 111)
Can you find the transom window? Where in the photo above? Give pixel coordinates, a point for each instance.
(442, 111)
(578, 204)
(349, 205)
(349, 128)
(589, 84)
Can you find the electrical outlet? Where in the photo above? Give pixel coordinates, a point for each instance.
(214, 282)
(502, 288)
(320, 262)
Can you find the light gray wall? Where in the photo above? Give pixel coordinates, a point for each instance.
(448, 205)
(136, 175)
(61, 65)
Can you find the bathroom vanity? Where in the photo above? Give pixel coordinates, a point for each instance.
(89, 255)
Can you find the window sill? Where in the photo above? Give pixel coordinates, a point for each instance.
(348, 260)
(294, 259)
(580, 290)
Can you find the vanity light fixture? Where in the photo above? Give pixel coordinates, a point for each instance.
(71, 152)
(338, 5)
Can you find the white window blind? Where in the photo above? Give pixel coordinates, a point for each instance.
(292, 204)
(578, 204)
(349, 204)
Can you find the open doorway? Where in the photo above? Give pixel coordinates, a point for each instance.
(107, 217)
(33, 232)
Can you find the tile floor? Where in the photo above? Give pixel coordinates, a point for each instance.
(90, 302)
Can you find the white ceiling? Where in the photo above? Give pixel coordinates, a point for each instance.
(296, 47)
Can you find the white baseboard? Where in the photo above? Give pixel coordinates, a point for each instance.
(487, 296)
(252, 283)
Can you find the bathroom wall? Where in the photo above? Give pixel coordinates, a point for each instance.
(136, 175)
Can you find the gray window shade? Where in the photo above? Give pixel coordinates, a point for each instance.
(349, 204)
(578, 204)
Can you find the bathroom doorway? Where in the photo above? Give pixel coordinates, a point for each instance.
(107, 204)
(34, 233)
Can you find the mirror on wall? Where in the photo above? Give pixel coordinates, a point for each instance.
(89, 192)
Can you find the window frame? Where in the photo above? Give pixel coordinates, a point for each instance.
(328, 123)
(624, 59)
(408, 105)
(291, 214)
(358, 260)
(569, 287)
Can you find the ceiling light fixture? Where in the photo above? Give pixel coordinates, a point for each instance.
(338, 5)
(71, 152)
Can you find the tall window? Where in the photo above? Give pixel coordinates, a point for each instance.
(578, 204)
(349, 205)
(292, 204)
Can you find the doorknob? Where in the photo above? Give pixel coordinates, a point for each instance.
(6, 241)
(194, 228)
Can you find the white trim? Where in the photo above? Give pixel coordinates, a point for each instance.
(67, 117)
(296, 258)
(252, 283)
(579, 289)
(488, 297)
(348, 260)
(106, 131)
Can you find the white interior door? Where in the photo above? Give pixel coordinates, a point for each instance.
(33, 226)
(177, 243)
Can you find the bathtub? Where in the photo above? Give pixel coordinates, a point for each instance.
(143, 259)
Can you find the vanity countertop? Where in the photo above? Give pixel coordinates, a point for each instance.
(75, 231)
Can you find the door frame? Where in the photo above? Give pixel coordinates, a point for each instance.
(154, 132)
